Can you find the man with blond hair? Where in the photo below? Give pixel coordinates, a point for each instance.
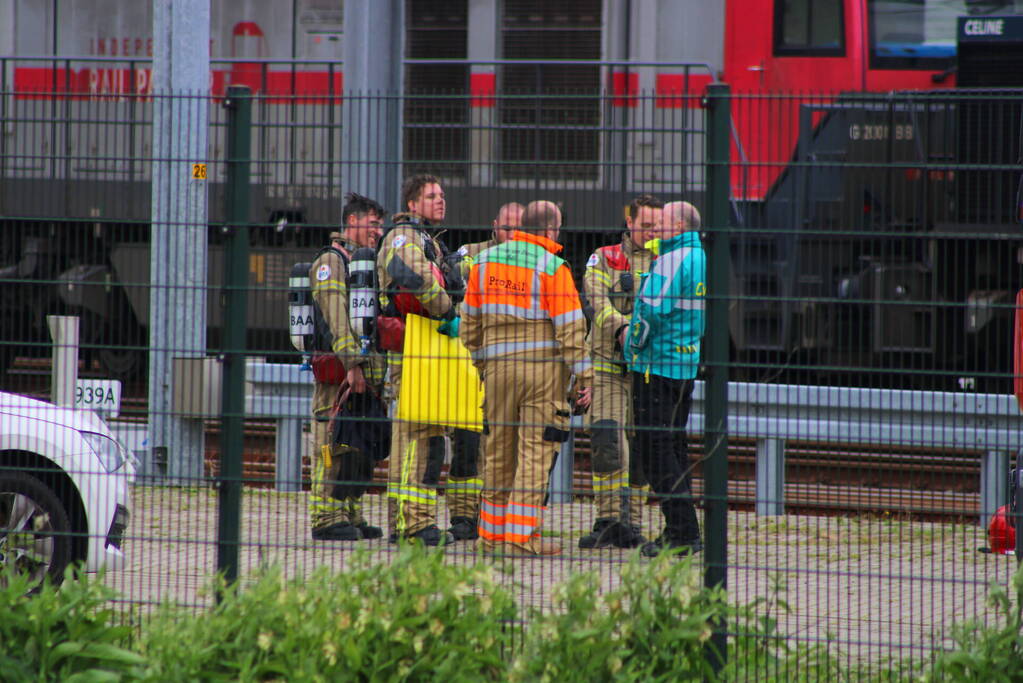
(410, 272)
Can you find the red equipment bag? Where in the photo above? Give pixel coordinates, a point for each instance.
(391, 329)
(390, 333)
(327, 369)
(1001, 536)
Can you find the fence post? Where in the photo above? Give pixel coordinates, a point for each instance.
(715, 464)
(236, 277)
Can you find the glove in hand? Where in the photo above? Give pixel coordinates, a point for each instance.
(450, 327)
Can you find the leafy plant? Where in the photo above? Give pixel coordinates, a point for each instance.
(987, 652)
(415, 618)
(65, 633)
(656, 626)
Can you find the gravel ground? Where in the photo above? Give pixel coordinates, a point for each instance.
(872, 587)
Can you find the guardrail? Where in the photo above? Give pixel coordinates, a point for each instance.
(770, 413)
(283, 391)
(773, 414)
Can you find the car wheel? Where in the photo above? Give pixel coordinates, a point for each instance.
(35, 532)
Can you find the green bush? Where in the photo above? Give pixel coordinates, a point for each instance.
(983, 652)
(418, 618)
(656, 626)
(62, 633)
(415, 618)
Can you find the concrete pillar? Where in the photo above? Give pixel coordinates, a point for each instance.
(616, 47)
(562, 483)
(484, 38)
(994, 484)
(64, 369)
(178, 257)
(7, 24)
(370, 148)
(770, 477)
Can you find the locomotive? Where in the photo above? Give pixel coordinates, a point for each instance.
(867, 235)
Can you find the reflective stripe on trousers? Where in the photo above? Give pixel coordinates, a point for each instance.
(511, 523)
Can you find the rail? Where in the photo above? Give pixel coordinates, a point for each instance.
(772, 414)
(775, 413)
(282, 391)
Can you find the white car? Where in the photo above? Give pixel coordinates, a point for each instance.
(64, 489)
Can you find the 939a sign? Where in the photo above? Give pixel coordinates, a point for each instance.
(101, 395)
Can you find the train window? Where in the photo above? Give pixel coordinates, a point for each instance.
(436, 124)
(921, 34)
(550, 119)
(319, 29)
(808, 28)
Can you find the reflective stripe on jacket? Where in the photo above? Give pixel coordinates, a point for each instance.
(409, 262)
(328, 278)
(521, 300)
(608, 273)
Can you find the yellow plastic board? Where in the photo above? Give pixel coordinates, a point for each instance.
(439, 384)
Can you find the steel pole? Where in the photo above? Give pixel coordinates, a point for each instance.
(236, 279)
(715, 465)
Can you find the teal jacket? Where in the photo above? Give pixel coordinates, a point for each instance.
(668, 317)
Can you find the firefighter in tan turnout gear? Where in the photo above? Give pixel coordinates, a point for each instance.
(611, 275)
(411, 273)
(342, 367)
(524, 326)
(465, 482)
(509, 217)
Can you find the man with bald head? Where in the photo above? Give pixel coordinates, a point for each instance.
(524, 326)
(509, 218)
(679, 217)
(662, 349)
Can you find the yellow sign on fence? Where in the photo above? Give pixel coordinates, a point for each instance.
(439, 385)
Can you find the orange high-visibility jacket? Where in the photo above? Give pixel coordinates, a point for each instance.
(521, 302)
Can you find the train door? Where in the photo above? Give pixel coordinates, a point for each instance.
(775, 49)
(794, 45)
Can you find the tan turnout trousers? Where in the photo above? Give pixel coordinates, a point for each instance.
(412, 476)
(524, 398)
(619, 489)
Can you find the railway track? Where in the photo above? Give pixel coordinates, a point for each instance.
(820, 478)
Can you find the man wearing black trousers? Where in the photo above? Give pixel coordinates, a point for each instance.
(663, 352)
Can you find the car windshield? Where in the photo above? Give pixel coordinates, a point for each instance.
(921, 34)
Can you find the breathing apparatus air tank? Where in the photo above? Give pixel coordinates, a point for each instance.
(300, 308)
(362, 296)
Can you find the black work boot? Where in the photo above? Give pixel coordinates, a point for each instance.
(464, 529)
(430, 535)
(611, 533)
(672, 544)
(342, 531)
(369, 531)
